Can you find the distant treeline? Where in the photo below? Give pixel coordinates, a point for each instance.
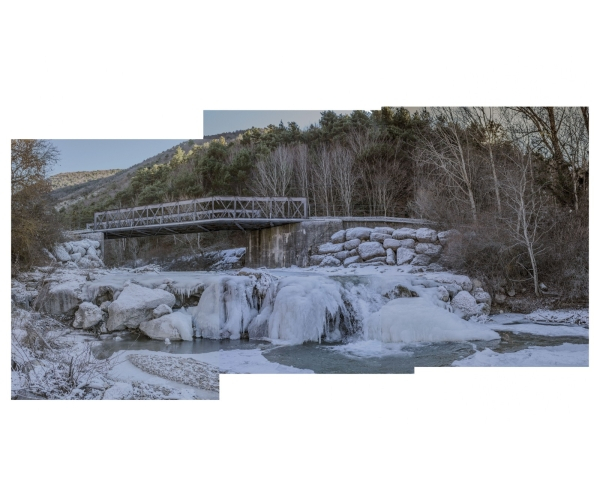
(73, 178)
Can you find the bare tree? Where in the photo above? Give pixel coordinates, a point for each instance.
(274, 172)
(344, 176)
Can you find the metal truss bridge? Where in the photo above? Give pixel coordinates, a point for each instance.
(200, 215)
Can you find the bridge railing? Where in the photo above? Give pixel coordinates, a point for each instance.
(201, 209)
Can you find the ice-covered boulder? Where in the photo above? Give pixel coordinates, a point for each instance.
(352, 260)
(482, 297)
(368, 250)
(426, 235)
(465, 305)
(75, 256)
(390, 258)
(342, 255)
(404, 256)
(339, 237)
(417, 319)
(330, 248)
(404, 233)
(175, 326)
(432, 250)
(378, 237)
(87, 316)
(442, 294)
(61, 253)
(315, 260)
(330, 261)
(91, 252)
(362, 233)
(351, 244)
(408, 243)
(135, 305)
(421, 260)
(392, 244)
(384, 230)
(161, 310)
(463, 281)
(60, 298)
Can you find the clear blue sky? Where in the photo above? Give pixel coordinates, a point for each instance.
(87, 155)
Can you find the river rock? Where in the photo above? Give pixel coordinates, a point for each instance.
(362, 233)
(404, 233)
(431, 250)
(404, 256)
(369, 250)
(351, 244)
(161, 310)
(87, 315)
(175, 326)
(482, 297)
(407, 243)
(135, 305)
(330, 261)
(390, 258)
(339, 237)
(442, 294)
(421, 260)
(466, 306)
(499, 298)
(330, 248)
(377, 237)
(426, 235)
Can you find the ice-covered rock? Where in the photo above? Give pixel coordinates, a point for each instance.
(104, 306)
(463, 281)
(91, 252)
(351, 244)
(426, 235)
(339, 237)
(330, 261)
(404, 233)
(404, 256)
(87, 316)
(330, 248)
(392, 244)
(161, 310)
(390, 258)
(431, 250)
(60, 297)
(417, 319)
(315, 260)
(362, 233)
(465, 305)
(482, 297)
(135, 305)
(384, 230)
(369, 250)
(407, 243)
(353, 253)
(119, 391)
(352, 260)
(342, 255)
(421, 260)
(378, 237)
(175, 326)
(442, 294)
(61, 253)
(75, 256)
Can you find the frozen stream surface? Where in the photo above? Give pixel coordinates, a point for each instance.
(367, 320)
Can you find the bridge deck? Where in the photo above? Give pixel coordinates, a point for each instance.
(200, 215)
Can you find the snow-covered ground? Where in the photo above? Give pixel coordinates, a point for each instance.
(566, 354)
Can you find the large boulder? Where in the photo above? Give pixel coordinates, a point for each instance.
(482, 297)
(75, 256)
(175, 326)
(384, 230)
(135, 305)
(392, 244)
(426, 235)
(362, 233)
(421, 260)
(161, 310)
(352, 260)
(342, 255)
(431, 250)
(87, 316)
(330, 248)
(315, 260)
(91, 252)
(61, 253)
(351, 244)
(378, 237)
(339, 237)
(407, 243)
(369, 250)
(404, 233)
(330, 261)
(404, 256)
(390, 258)
(466, 306)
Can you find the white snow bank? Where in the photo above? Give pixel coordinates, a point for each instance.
(413, 319)
(246, 361)
(566, 354)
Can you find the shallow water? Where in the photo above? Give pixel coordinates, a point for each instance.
(358, 357)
